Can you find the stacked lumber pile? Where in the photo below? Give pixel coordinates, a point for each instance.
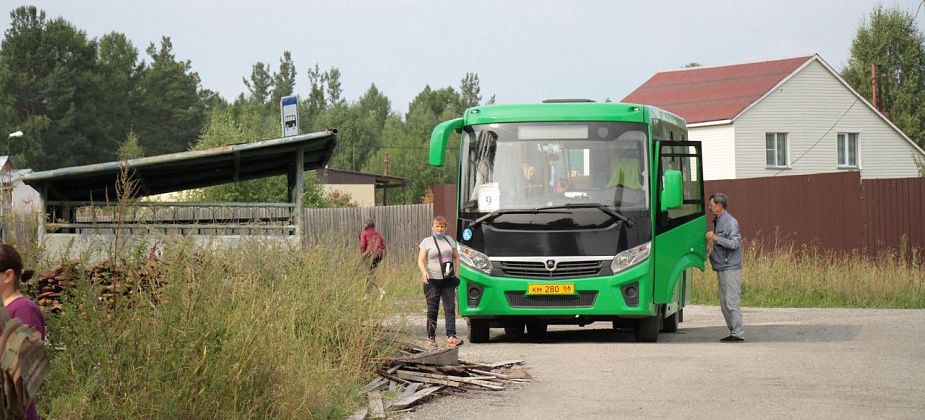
(49, 287)
(419, 374)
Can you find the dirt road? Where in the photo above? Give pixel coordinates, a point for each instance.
(796, 363)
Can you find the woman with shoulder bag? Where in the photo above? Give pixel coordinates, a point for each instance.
(438, 262)
(18, 305)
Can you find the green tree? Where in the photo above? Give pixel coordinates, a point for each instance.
(120, 70)
(284, 79)
(360, 127)
(130, 149)
(469, 90)
(892, 41)
(211, 100)
(333, 90)
(260, 83)
(407, 143)
(314, 104)
(51, 89)
(172, 113)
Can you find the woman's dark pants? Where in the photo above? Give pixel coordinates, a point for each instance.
(434, 290)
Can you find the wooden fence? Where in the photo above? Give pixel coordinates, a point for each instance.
(402, 227)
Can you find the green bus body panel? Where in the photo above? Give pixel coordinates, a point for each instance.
(677, 250)
(556, 112)
(609, 296)
(657, 277)
(439, 137)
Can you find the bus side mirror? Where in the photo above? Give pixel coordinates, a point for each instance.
(439, 137)
(672, 194)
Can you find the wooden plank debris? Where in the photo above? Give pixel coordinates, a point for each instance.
(416, 374)
(504, 363)
(113, 280)
(442, 356)
(376, 408)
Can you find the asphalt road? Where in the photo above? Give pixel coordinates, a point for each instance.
(795, 363)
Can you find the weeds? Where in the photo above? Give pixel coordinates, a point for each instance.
(258, 330)
(808, 277)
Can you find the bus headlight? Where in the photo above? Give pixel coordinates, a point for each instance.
(474, 259)
(630, 257)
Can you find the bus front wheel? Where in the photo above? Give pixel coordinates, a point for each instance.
(478, 330)
(514, 329)
(647, 329)
(536, 329)
(670, 325)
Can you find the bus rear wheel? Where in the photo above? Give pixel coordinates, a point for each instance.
(478, 330)
(647, 329)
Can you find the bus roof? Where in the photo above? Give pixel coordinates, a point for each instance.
(571, 111)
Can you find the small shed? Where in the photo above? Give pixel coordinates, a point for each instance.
(361, 186)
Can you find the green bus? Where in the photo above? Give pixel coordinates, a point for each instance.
(574, 212)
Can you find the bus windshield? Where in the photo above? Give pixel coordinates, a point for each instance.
(530, 165)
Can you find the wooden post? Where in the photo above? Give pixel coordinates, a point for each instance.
(385, 189)
(297, 189)
(42, 215)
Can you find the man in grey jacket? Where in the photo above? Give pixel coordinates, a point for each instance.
(725, 244)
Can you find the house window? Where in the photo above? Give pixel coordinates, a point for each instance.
(776, 149)
(847, 150)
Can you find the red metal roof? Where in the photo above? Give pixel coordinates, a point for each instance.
(713, 93)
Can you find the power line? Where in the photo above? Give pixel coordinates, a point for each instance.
(823, 136)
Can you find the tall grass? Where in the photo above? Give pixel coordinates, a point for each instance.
(255, 331)
(808, 277)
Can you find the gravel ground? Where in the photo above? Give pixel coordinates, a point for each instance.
(795, 363)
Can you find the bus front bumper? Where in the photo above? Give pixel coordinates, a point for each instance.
(595, 298)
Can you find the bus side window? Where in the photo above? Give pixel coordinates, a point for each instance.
(689, 167)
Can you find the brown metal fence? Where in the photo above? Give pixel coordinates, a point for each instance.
(892, 211)
(835, 211)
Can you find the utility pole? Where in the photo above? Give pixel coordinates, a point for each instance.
(874, 87)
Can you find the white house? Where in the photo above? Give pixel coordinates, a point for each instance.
(783, 117)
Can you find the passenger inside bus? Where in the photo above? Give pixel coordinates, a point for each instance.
(626, 179)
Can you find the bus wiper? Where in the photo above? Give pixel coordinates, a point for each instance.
(609, 211)
(499, 212)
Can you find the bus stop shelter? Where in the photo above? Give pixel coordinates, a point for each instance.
(85, 199)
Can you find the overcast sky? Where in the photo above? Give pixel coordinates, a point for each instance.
(523, 51)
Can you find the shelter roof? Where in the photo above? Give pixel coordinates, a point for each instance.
(186, 170)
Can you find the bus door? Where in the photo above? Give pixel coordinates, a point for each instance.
(680, 231)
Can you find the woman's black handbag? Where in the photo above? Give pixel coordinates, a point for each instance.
(447, 270)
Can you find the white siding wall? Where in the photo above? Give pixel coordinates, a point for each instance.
(806, 106)
(719, 161)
